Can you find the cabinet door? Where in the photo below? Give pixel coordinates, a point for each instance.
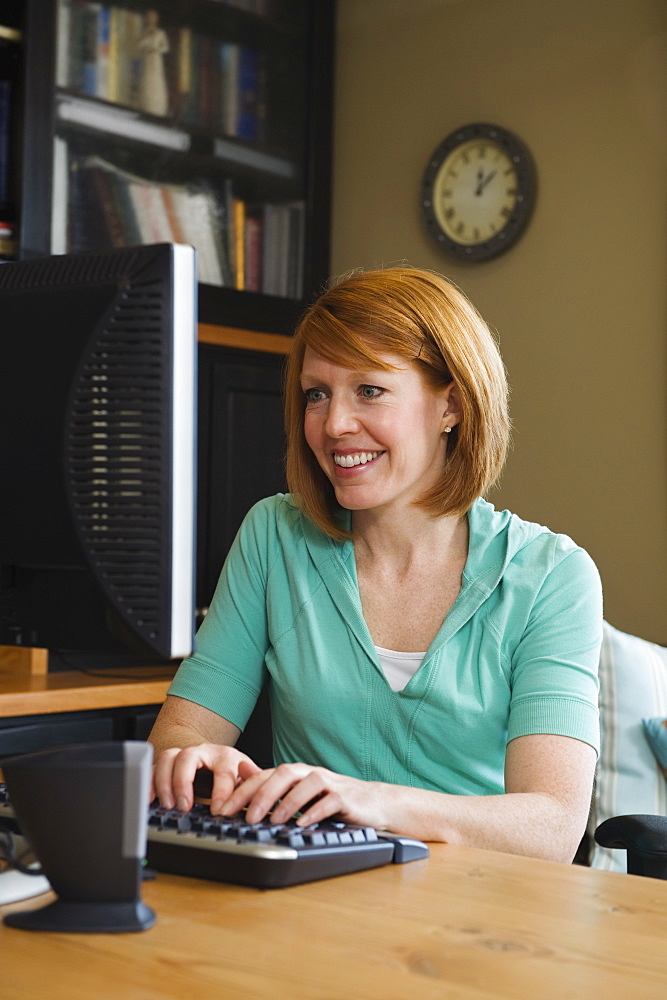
(27, 734)
(241, 448)
(241, 460)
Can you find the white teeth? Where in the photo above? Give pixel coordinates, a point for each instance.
(348, 461)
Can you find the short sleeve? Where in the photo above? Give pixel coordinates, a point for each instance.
(227, 670)
(555, 663)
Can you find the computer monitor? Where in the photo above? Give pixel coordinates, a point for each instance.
(97, 452)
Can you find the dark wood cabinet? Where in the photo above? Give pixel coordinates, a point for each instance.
(26, 734)
(241, 460)
(241, 448)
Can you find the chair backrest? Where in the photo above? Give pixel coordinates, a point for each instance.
(643, 837)
(629, 777)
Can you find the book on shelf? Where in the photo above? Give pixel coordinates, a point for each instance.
(253, 252)
(238, 208)
(211, 82)
(248, 112)
(103, 194)
(102, 54)
(228, 61)
(8, 242)
(245, 245)
(282, 249)
(226, 94)
(98, 51)
(112, 207)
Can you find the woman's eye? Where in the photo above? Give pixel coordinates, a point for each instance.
(313, 395)
(371, 391)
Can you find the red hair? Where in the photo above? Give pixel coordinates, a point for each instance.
(420, 316)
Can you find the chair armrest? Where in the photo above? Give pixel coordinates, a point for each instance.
(643, 837)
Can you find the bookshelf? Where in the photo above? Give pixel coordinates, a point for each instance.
(242, 169)
(206, 122)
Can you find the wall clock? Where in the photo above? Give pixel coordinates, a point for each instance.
(478, 191)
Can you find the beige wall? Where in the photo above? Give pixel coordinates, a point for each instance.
(579, 304)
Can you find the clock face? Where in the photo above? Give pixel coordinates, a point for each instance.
(478, 192)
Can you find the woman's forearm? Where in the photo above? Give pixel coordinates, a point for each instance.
(529, 823)
(543, 813)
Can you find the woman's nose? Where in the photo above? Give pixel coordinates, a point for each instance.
(341, 417)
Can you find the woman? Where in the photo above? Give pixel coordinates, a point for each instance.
(431, 661)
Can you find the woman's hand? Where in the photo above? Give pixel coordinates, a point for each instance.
(175, 769)
(314, 791)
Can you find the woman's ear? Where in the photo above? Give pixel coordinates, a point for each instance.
(452, 407)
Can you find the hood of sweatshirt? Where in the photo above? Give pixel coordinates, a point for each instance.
(496, 539)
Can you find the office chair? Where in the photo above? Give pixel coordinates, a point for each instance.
(643, 837)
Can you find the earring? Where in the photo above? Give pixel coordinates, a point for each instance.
(448, 430)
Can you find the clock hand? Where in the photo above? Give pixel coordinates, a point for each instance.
(482, 184)
(480, 175)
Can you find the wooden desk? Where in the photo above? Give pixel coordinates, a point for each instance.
(463, 924)
(28, 694)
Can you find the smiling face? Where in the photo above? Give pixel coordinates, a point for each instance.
(379, 436)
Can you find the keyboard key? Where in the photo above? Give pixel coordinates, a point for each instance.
(313, 838)
(227, 831)
(201, 825)
(178, 821)
(290, 838)
(261, 834)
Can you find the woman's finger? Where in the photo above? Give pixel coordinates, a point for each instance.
(175, 770)
(185, 767)
(261, 791)
(162, 777)
(283, 792)
(228, 798)
(242, 794)
(312, 786)
(327, 805)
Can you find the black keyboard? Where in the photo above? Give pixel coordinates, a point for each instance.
(266, 855)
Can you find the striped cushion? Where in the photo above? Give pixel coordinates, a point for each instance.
(633, 687)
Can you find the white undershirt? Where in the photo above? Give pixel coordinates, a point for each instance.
(398, 667)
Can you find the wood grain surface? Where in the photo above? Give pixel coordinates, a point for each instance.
(463, 924)
(70, 691)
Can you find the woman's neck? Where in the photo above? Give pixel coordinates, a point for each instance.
(408, 539)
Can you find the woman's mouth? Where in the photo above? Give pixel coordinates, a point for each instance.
(353, 459)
